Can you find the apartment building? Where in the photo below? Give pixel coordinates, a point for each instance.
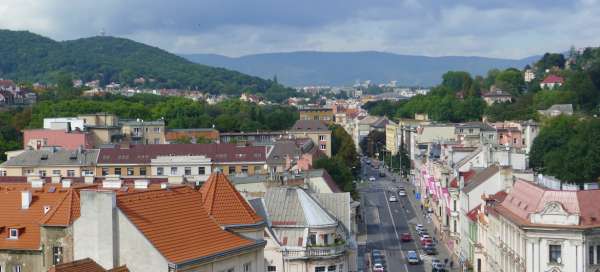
(51, 162)
(315, 130)
(314, 113)
(143, 132)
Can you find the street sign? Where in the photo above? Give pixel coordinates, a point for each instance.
(418, 196)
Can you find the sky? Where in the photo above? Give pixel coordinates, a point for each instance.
(491, 28)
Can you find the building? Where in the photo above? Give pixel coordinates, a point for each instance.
(368, 124)
(551, 82)
(35, 223)
(143, 132)
(315, 130)
(159, 230)
(496, 95)
(51, 161)
(316, 113)
(87, 265)
(64, 123)
(556, 110)
(528, 75)
(194, 135)
(302, 235)
(252, 137)
(137, 160)
(538, 229)
(67, 139)
(292, 155)
(475, 133)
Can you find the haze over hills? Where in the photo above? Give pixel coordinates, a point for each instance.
(345, 68)
(25, 56)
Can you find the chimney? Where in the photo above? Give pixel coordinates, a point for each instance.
(37, 183)
(112, 182)
(55, 178)
(175, 179)
(88, 179)
(141, 184)
(66, 183)
(25, 199)
(462, 182)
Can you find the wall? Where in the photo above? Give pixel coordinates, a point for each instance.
(314, 136)
(30, 261)
(22, 171)
(136, 170)
(36, 138)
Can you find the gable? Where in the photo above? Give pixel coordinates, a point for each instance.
(554, 213)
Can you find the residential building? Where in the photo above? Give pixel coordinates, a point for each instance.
(551, 82)
(252, 137)
(315, 130)
(528, 75)
(104, 126)
(192, 168)
(64, 123)
(86, 265)
(302, 235)
(538, 229)
(159, 230)
(556, 110)
(292, 155)
(195, 135)
(316, 113)
(496, 95)
(67, 139)
(51, 161)
(475, 133)
(368, 124)
(143, 132)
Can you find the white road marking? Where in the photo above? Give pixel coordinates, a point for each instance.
(393, 223)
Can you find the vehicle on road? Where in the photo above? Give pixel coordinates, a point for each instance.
(419, 227)
(402, 192)
(406, 237)
(393, 198)
(368, 162)
(378, 267)
(426, 242)
(422, 233)
(376, 253)
(412, 257)
(437, 265)
(372, 179)
(381, 174)
(430, 249)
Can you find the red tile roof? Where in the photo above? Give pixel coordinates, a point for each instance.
(177, 225)
(553, 79)
(466, 175)
(217, 152)
(472, 214)
(225, 204)
(84, 265)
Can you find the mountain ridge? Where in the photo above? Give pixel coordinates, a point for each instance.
(300, 68)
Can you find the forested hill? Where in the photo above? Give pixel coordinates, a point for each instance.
(25, 56)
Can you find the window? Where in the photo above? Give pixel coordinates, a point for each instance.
(245, 169)
(591, 254)
(515, 141)
(312, 239)
(173, 170)
(454, 225)
(478, 265)
(159, 171)
(231, 270)
(57, 255)
(231, 170)
(70, 173)
(323, 147)
(598, 254)
(491, 136)
(271, 268)
(142, 171)
(321, 137)
(55, 172)
(454, 205)
(554, 252)
(118, 171)
(17, 268)
(201, 170)
(331, 268)
(256, 169)
(156, 140)
(104, 171)
(13, 234)
(42, 173)
(188, 171)
(157, 129)
(320, 269)
(470, 130)
(325, 239)
(130, 171)
(247, 267)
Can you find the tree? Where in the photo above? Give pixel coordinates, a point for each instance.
(373, 143)
(549, 61)
(510, 80)
(457, 81)
(343, 148)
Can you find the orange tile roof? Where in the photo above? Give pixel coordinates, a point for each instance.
(85, 265)
(31, 219)
(225, 204)
(66, 211)
(175, 222)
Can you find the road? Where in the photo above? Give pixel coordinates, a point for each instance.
(384, 222)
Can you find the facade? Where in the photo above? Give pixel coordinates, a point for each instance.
(195, 135)
(143, 132)
(315, 130)
(368, 124)
(192, 168)
(71, 140)
(51, 162)
(556, 110)
(551, 82)
(316, 114)
(255, 138)
(475, 133)
(496, 95)
(529, 75)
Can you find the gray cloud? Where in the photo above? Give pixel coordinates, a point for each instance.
(235, 27)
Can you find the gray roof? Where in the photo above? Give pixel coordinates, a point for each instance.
(338, 204)
(309, 125)
(281, 149)
(561, 108)
(53, 157)
(480, 178)
(480, 125)
(294, 207)
(135, 122)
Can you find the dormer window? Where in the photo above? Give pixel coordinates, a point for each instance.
(13, 234)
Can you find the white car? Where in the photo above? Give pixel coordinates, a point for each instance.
(393, 199)
(372, 179)
(419, 227)
(378, 267)
(402, 193)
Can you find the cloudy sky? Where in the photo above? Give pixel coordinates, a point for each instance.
(494, 28)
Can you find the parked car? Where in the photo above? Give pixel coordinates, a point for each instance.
(419, 227)
(372, 179)
(376, 253)
(412, 257)
(422, 232)
(426, 241)
(430, 249)
(393, 198)
(402, 192)
(437, 265)
(378, 267)
(406, 237)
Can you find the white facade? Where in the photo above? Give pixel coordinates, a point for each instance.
(63, 123)
(194, 168)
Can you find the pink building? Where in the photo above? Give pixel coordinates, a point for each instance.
(510, 134)
(37, 138)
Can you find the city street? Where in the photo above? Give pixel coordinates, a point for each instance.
(385, 222)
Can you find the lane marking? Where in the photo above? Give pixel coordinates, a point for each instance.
(387, 203)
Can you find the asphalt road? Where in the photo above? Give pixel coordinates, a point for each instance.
(386, 221)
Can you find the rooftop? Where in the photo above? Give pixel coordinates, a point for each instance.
(53, 157)
(84, 265)
(553, 79)
(309, 125)
(294, 207)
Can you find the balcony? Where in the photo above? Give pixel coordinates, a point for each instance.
(314, 252)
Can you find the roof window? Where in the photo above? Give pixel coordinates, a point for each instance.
(13, 233)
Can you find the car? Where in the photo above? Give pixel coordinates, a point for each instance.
(379, 260)
(368, 161)
(437, 265)
(402, 193)
(393, 198)
(378, 267)
(376, 253)
(406, 237)
(419, 227)
(422, 233)
(430, 249)
(381, 174)
(372, 179)
(425, 242)
(425, 236)
(412, 257)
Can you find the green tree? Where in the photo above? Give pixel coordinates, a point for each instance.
(457, 81)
